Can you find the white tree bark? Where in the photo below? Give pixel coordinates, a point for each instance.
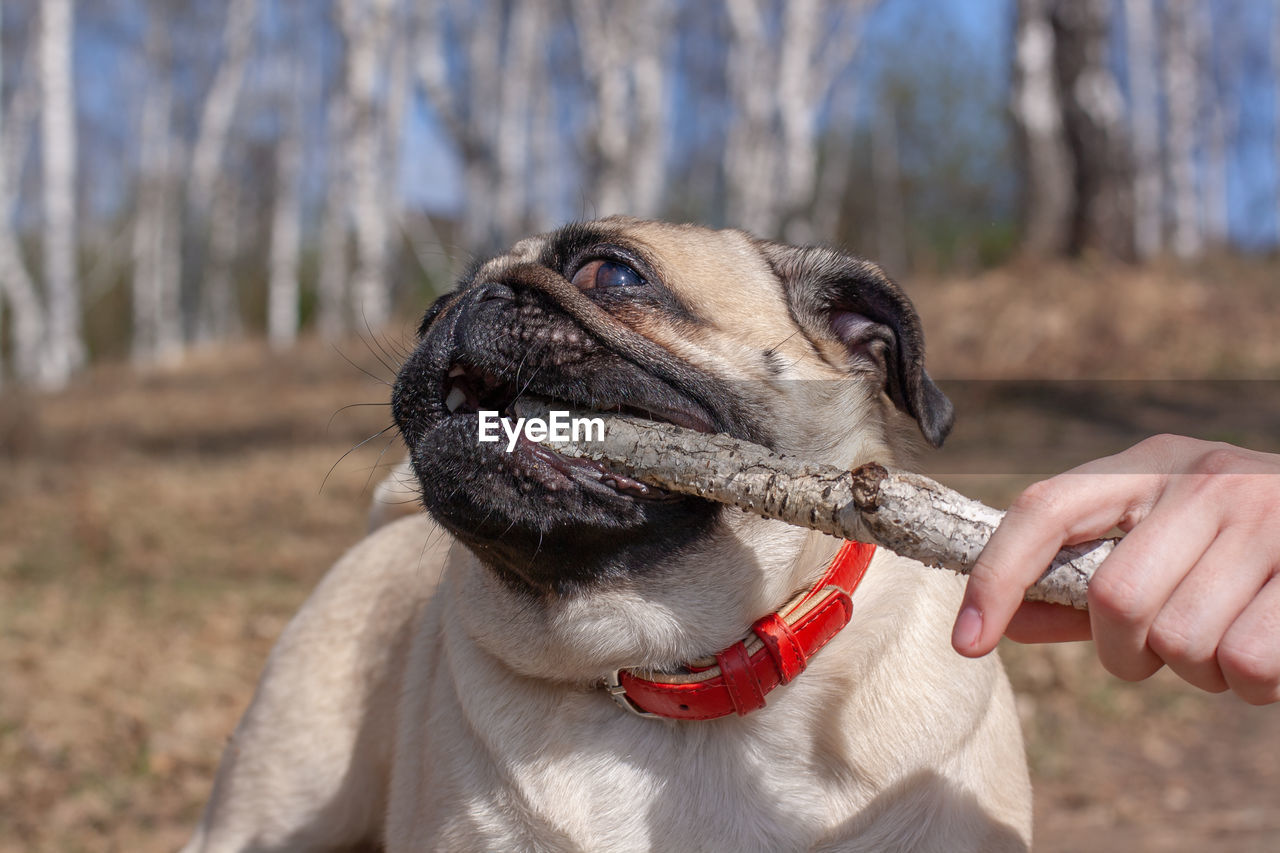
(399, 92)
(283, 288)
(332, 279)
(752, 149)
(218, 317)
(1181, 77)
(367, 29)
(779, 80)
(471, 108)
(65, 351)
(157, 321)
(647, 163)
(622, 47)
(1144, 111)
(219, 106)
(213, 239)
(17, 289)
(1037, 111)
(603, 45)
(550, 172)
(526, 34)
(1218, 97)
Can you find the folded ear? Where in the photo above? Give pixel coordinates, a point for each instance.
(838, 298)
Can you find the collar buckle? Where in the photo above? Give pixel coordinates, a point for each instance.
(618, 693)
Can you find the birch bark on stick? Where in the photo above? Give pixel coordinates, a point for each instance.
(907, 513)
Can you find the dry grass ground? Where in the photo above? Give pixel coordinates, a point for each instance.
(157, 531)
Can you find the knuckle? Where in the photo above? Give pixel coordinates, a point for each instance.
(1222, 459)
(1161, 444)
(1039, 499)
(1113, 597)
(1175, 640)
(1164, 450)
(1250, 664)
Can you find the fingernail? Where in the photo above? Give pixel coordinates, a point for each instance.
(968, 628)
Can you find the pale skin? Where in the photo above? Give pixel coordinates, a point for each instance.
(1194, 585)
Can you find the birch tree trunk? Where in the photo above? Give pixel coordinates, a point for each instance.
(65, 346)
(819, 41)
(1144, 111)
(27, 319)
(549, 171)
(219, 106)
(1048, 171)
(797, 92)
(157, 322)
(751, 150)
(1180, 79)
(470, 106)
(622, 48)
(366, 27)
(1093, 115)
(651, 33)
(524, 36)
(218, 317)
(779, 80)
(212, 240)
(286, 218)
(1218, 96)
(17, 290)
(399, 93)
(603, 43)
(332, 278)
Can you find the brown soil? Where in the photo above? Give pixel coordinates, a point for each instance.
(156, 532)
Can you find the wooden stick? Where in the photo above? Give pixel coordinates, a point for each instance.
(907, 513)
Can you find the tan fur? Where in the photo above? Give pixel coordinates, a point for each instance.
(416, 701)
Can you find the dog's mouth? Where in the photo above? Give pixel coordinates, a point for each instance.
(467, 390)
(543, 519)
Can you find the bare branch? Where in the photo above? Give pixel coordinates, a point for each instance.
(904, 512)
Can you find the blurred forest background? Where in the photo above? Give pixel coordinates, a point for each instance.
(179, 174)
(209, 207)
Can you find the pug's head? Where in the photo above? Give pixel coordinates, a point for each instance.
(804, 350)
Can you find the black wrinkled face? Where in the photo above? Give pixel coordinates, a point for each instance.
(556, 323)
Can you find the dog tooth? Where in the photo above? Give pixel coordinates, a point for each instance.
(457, 370)
(455, 399)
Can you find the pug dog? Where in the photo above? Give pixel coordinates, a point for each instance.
(557, 657)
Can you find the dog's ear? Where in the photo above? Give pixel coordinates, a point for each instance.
(838, 298)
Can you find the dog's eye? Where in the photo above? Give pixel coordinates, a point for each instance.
(602, 273)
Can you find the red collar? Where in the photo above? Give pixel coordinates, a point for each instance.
(776, 651)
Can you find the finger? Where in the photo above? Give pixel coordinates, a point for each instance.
(1250, 652)
(1041, 622)
(1131, 586)
(1191, 625)
(1071, 507)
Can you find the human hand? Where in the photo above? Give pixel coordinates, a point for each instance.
(1194, 584)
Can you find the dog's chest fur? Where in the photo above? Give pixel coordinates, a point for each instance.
(508, 762)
